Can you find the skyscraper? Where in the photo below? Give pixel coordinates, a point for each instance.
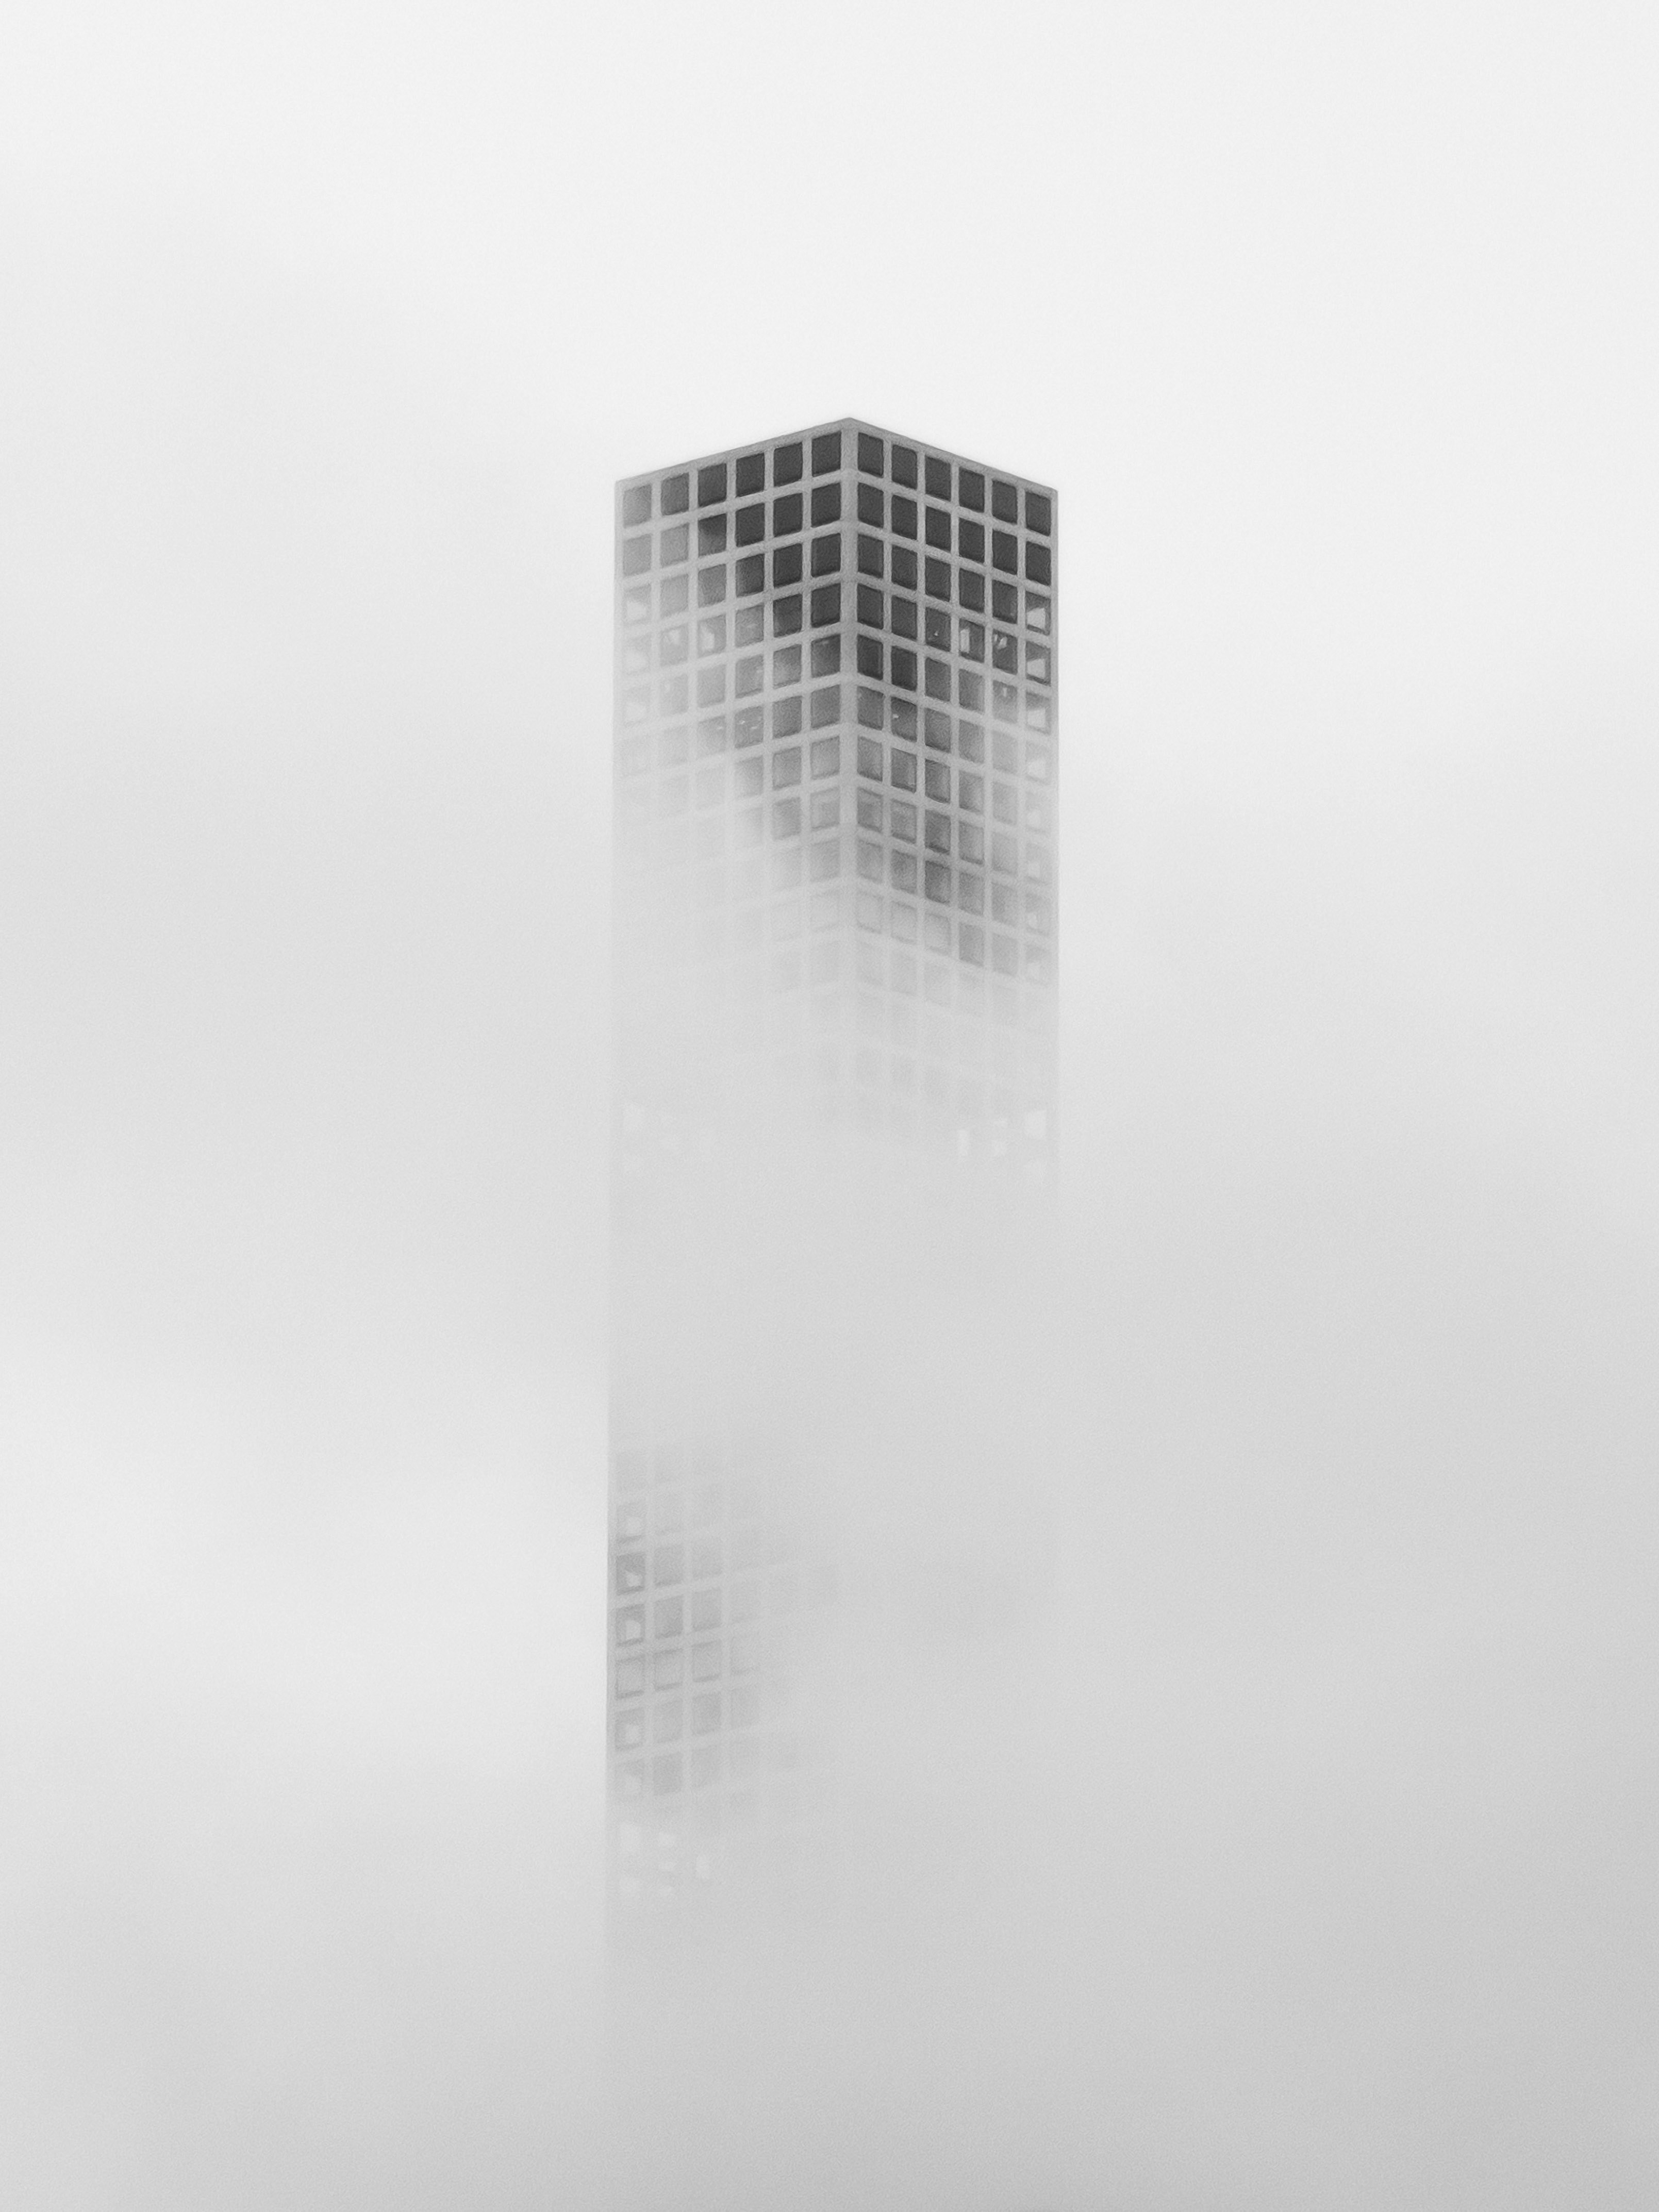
(837, 780)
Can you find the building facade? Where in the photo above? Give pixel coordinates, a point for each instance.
(835, 944)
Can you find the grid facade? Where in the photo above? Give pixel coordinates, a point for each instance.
(836, 783)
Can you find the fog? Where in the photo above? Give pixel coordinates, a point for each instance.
(1290, 1842)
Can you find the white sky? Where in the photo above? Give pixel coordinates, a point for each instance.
(323, 335)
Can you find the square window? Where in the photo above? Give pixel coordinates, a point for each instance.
(904, 466)
(636, 603)
(787, 463)
(749, 624)
(1037, 612)
(785, 617)
(636, 555)
(970, 889)
(711, 634)
(971, 939)
(630, 1732)
(1005, 602)
(904, 568)
(786, 767)
(826, 863)
(870, 656)
(970, 540)
(711, 534)
(970, 690)
(938, 882)
(786, 666)
(630, 1677)
(937, 679)
(871, 709)
(672, 646)
(936, 729)
(674, 545)
(937, 628)
(905, 668)
(904, 771)
(672, 693)
(826, 452)
(1004, 652)
(671, 747)
(746, 780)
(873, 454)
(711, 684)
(826, 804)
(872, 866)
(869, 801)
(1005, 703)
(705, 1662)
(873, 505)
(751, 474)
(904, 617)
(970, 590)
(826, 554)
(826, 654)
(826, 757)
(970, 640)
(1039, 512)
(746, 726)
(637, 505)
(904, 516)
(826, 503)
(1004, 550)
(938, 578)
(711, 484)
(747, 677)
(630, 1624)
(971, 739)
(939, 527)
(871, 555)
(787, 515)
(870, 762)
(630, 1573)
(871, 606)
(826, 605)
(786, 565)
(668, 1618)
(937, 777)
(676, 594)
(1004, 501)
(1039, 563)
(826, 706)
(711, 586)
(970, 490)
(1038, 763)
(1037, 663)
(786, 817)
(750, 524)
(905, 821)
(904, 721)
(939, 478)
(970, 792)
(676, 492)
(902, 869)
(751, 574)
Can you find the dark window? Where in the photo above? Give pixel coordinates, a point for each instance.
(870, 605)
(826, 503)
(751, 474)
(751, 524)
(711, 586)
(938, 779)
(871, 505)
(711, 484)
(1005, 602)
(936, 833)
(1039, 512)
(674, 545)
(1005, 703)
(786, 617)
(786, 464)
(636, 504)
(970, 889)
(970, 740)
(938, 882)
(905, 668)
(904, 568)
(826, 452)
(904, 466)
(873, 456)
(870, 656)
(1038, 611)
(970, 689)
(746, 726)
(904, 871)
(1004, 501)
(970, 490)
(971, 589)
(785, 716)
(826, 605)
(787, 515)
(903, 719)
(786, 767)
(939, 580)
(870, 552)
(936, 730)
(826, 654)
(970, 540)
(870, 759)
(937, 627)
(826, 758)
(871, 709)
(904, 617)
(904, 771)
(970, 640)
(826, 554)
(786, 666)
(826, 706)
(676, 493)
(1004, 550)
(786, 565)
(749, 624)
(751, 574)
(938, 679)
(939, 478)
(1004, 651)
(938, 528)
(1039, 563)
(904, 516)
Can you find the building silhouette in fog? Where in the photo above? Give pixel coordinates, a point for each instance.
(834, 944)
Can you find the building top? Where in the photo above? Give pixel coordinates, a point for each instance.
(830, 448)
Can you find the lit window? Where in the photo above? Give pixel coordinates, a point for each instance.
(671, 645)
(1039, 712)
(711, 634)
(1037, 612)
(1038, 662)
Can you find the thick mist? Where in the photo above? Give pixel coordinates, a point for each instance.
(1253, 1801)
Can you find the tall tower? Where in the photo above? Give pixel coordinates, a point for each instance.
(836, 784)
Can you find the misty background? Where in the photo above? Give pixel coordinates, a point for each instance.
(1317, 1868)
